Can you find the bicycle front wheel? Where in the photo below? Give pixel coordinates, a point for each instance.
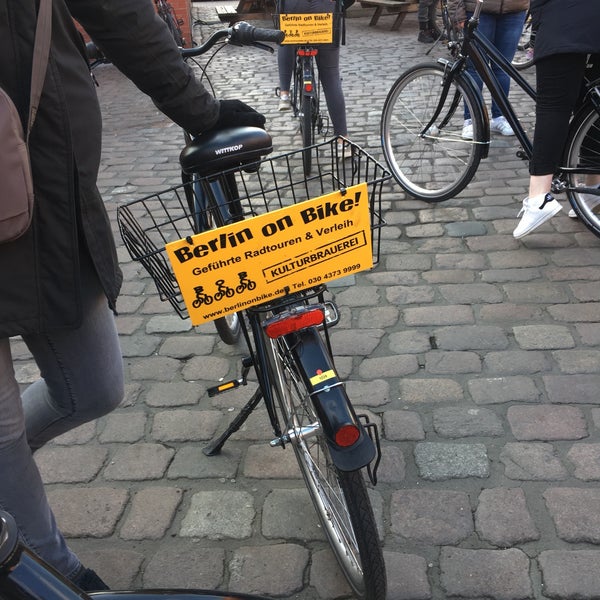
(582, 152)
(340, 498)
(436, 164)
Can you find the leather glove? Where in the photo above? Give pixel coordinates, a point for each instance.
(234, 113)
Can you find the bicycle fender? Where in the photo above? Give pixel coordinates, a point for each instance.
(330, 400)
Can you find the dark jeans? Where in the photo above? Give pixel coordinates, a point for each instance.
(503, 31)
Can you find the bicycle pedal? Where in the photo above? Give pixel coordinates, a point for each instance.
(225, 387)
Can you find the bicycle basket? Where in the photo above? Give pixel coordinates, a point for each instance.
(148, 224)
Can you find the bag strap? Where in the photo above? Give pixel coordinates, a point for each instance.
(41, 53)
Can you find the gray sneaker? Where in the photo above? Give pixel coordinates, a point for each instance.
(284, 103)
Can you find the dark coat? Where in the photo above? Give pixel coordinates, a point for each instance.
(458, 8)
(565, 26)
(39, 272)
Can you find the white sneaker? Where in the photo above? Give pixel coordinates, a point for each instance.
(284, 103)
(467, 130)
(500, 125)
(535, 211)
(590, 200)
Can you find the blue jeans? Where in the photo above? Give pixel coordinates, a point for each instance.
(82, 379)
(503, 31)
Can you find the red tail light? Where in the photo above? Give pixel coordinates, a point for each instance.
(294, 321)
(308, 86)
(347, 435)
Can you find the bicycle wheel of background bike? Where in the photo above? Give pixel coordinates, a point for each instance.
(583, 150)
(523, 58)
(306, 129)
(171, 21)
(437, 164)
(340, 498)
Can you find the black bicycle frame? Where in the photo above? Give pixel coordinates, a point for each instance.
(479, 50)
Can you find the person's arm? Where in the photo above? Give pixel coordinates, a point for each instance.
(138, 42)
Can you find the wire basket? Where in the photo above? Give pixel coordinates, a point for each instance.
(148, 224)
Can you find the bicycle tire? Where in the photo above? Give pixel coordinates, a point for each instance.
(229, 327)
(436, 166)
(306, 129)
(339, 497)
(583, 140)
(523, 58)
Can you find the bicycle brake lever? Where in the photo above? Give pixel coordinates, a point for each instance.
(263, 47)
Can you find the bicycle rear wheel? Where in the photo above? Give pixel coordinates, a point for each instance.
(437, 164)
(582, 151)
(307, 131)
(340, 498)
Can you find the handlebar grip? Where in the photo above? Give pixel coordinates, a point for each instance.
(244, 34)
(275, 36)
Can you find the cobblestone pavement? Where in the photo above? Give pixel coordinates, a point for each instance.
(477, 354)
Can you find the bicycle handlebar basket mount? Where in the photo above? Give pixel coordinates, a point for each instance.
(148, 224)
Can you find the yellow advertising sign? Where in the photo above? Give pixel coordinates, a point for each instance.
(255, 261)
(310, 28)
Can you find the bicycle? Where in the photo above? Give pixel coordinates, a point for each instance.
(167, 13)
(25, 576)
(288, 244)
(307, 32)
(422, 119)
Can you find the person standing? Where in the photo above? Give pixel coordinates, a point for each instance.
(60, 279)
(566, 33)
(327, 58)
(427, 17)
(501, 22)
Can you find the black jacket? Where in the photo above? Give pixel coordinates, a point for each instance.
(565, 26)
(39, 274)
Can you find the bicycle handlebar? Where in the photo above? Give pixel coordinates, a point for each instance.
(240, 34)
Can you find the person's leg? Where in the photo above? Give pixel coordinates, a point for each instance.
(558, 81)
(286, 56)
(22, 492)
(424, 16)
(81, 369)
(506, 37)
(83, 379)
(328, 63)
(487, 28)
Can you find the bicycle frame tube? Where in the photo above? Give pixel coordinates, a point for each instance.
(479, 51)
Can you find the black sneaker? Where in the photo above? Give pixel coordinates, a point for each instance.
(88, 580)
(425, 37)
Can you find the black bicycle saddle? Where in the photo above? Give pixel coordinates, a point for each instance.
(224, 149)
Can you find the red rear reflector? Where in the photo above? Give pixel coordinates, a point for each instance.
(291, 322)
(347, 435)
(308, 86)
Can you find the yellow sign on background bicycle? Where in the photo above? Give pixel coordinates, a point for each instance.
(255, 261)
(309, 28)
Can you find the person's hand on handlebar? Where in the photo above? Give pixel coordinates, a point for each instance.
(234, 113)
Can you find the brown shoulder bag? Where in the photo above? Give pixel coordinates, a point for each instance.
(16, 191)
